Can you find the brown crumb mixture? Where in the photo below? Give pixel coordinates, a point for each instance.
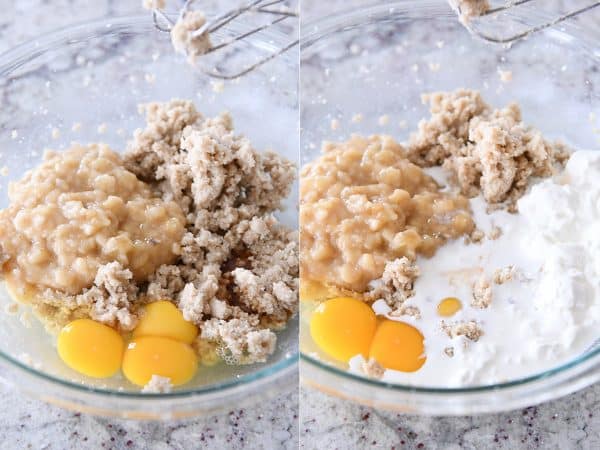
(373, 369)
(153, 4)
(482, 293)
(475, 237)
(471, 330)
(185, 41)
(396, 283)
(494, 233)
(469, 9)
(505, 274)
(449, 352)
(407, 310)
(237, 275)
(487, 151)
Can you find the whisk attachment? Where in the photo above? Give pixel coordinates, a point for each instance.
(259, 7)
(497, 11)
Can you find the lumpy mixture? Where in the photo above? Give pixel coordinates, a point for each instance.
(81, 209)
(363, 204)
(372, 219)
(184, 216)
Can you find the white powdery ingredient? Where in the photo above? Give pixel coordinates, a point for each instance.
(55, 133)
(184, 37)
(158, 385)
(552, 308)
(14, 134)
(153, 4)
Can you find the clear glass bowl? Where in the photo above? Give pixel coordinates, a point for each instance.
(376, 61)
(95, 74)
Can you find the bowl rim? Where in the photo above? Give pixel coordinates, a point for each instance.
(15, 57)
(386, 11)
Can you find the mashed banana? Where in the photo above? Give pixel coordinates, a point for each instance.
(363, 204)
(79, 210)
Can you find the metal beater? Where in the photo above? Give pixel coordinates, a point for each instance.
(496, 13)
(273, 8)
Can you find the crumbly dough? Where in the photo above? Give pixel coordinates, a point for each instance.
(81, 209)
(471, 330)
(494, 233)
(362, 204)
(482, 293)
(185, 41)
(373, 369)
(469, 9)
(395, 286)
(158, 385)
(154, 4)
(232, 268)
(487, 151)
(476, 236)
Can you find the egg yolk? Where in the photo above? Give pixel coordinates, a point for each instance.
(164, 319)
(149, 355)
(91, 348)
(343, 327)
(449, 306)
(398, 346)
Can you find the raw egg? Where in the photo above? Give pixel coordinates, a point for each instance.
(398, 346)
(449, 306)
(150, 355)
(343, 327)
(91, 348)
(164, 319)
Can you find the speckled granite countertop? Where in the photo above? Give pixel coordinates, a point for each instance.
(569, 423)
(27, 423)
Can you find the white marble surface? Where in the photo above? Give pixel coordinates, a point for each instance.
(28, 423)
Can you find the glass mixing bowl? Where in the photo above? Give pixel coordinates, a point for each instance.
(376, 61)
(95, 75)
